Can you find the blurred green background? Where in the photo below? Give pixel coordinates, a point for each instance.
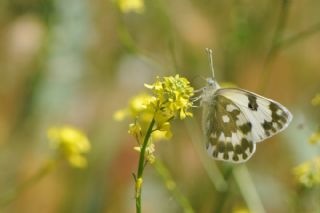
(77, 62)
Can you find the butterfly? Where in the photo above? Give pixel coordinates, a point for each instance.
(234, 120)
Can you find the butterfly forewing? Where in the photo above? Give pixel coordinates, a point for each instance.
(235, 119)
(266, 116)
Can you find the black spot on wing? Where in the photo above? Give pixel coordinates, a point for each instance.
(244, 156)
(246, 128)
(229, 146)
(235, 157)
(238, 149)
(220, 147)
(225, 156)
(253, 105)
(283, 117)
(245, 144)
(278, 119)
(213, 140)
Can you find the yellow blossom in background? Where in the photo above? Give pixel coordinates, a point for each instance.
(70, 143)
(316, 100)
(127, 6)
(314, 138)
(138, 106)
(241, 210)
(120, 115)
(308, 173)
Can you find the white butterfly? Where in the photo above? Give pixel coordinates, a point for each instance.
(234, 120)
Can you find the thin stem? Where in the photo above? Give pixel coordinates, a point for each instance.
(273, 51)
(173, 55)
(10, 196)
(248, 189)
(299, 36)
(222, 198)
(279, 30)
(172, 187)
(141, 166)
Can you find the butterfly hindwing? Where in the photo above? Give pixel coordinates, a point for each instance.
(228, 131)
(266, 116)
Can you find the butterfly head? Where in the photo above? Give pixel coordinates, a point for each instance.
(212, 84)
(209, 90)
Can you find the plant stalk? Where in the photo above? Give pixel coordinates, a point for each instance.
(141, 166)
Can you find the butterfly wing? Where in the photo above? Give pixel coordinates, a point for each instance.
(235, 119)
(266, 116)
(226, 139)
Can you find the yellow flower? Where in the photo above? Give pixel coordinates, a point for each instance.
(316, 100)
(314, 138)
(127, 6)
(140, 104)
(172, 96)
(120, 115)
(170, 99)
(69, 143)
(308, 173)
(241, 210)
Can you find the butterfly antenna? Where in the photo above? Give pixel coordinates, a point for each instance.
(209, 52)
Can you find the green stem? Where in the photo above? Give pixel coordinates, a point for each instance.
(10, 196)
(275, 43)
(141, 166)
(248, 189)
(223, 196)
(284, 10)
(172, 187)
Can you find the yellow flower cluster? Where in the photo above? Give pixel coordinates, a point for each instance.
(171, 96)
(170, 100)
(240, 210)
(314, 138)
(316, 100)
(70, 143)
(308, 173)
(127, 6)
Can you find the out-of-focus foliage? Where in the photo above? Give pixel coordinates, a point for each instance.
(78, 62)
